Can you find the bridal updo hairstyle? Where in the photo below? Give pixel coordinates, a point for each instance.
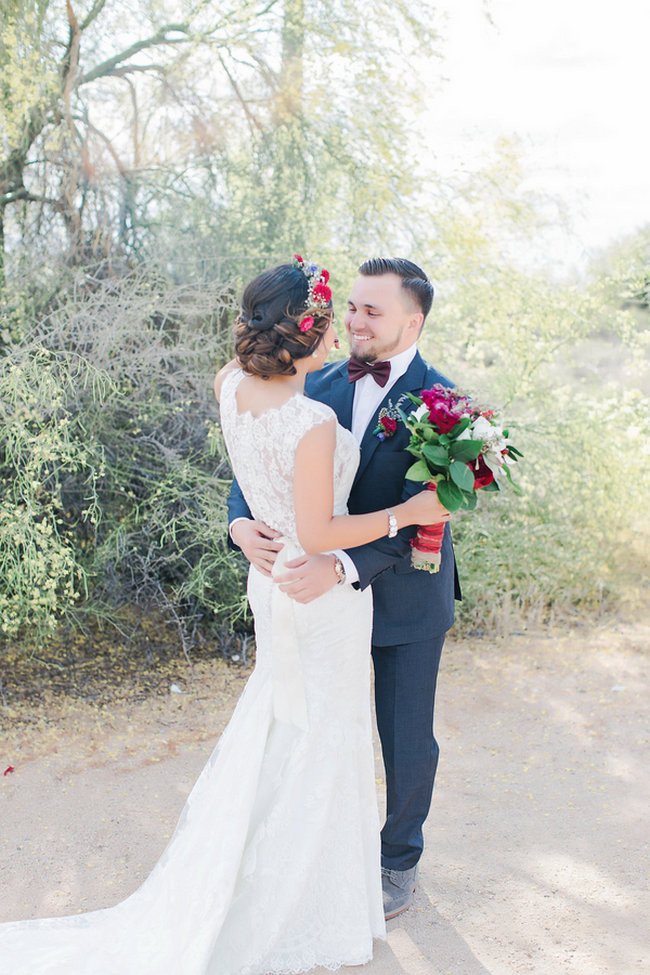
(267, 335)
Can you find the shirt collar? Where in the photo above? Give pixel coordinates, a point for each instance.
(399, 363)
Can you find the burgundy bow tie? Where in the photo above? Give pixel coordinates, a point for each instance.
(380, 371)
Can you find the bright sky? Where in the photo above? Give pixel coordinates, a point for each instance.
(571, 78)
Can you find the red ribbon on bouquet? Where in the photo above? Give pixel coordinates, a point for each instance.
(427, 544)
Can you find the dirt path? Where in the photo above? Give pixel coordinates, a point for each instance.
(536, 845)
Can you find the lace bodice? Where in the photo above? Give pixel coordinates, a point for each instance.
(262, 453)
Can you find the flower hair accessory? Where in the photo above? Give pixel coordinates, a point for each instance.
(319, 294)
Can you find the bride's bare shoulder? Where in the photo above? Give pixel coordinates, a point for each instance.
(221, 375)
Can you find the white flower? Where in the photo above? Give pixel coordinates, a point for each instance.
(481, 429)
(494, 443)
(420, 412)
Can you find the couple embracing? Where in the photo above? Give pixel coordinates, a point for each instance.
(277, 864)
(411, 610)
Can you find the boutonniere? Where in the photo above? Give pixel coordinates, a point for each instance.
(387, 424)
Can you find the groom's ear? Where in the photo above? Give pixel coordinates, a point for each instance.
(415, 323)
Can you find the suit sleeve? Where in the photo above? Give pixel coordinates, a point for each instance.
(375, 557)
(237, 508)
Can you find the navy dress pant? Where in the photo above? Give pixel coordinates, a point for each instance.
(405, 687)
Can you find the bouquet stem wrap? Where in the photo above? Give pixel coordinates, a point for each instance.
(427, 544)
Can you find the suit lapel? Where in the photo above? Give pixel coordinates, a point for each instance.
(412, 381)
(341, 395)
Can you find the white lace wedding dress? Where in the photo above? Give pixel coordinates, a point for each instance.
(274, 866)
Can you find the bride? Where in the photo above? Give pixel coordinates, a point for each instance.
(274, 866)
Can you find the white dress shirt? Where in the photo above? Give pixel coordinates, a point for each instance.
(367, 396)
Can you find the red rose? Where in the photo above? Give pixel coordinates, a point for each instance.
(321, 294)
(389, 425)
(306, 323)
(324, 276)
(442, 418)
(298, 258)
(482, 473)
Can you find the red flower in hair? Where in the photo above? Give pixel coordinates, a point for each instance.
(321, 294)
(298, 258)
(306, 323)
(324, 276)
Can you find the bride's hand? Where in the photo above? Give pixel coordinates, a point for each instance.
(424, 508)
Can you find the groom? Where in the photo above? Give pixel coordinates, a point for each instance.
(413, 610)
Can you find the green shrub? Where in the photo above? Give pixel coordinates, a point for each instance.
(114, 477)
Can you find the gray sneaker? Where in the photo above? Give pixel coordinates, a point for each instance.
(398, 887)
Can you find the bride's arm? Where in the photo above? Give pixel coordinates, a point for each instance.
(319, 530)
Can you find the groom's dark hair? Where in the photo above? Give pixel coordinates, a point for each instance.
(414, 280)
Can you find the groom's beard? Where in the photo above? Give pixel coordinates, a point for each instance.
(370, 351)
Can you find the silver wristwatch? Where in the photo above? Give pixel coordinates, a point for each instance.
(340, 571)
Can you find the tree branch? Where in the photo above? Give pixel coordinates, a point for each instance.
(156, 40)
(70, 64)
(240, 98)
(121, 168)
(25, 194)
(94, 12)
(134, 69)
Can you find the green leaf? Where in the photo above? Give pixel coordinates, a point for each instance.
(450, 496)
(461, 475)
(462, 425)
(444, 439)
(515, 487)
(469, 500)
(418, 472)
(514, 453)
(436, 453)
(465, 449)
(492, 486)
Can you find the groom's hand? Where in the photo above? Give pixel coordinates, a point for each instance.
(257, 542)
(308, 577)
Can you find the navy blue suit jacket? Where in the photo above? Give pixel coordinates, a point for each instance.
(409, 605)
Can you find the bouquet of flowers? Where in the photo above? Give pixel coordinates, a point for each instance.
(460, 450)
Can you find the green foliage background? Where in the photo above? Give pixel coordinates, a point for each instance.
(143, 183)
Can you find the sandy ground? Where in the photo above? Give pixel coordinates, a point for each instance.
(536, 845)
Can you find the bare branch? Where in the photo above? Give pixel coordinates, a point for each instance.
(94, 12)
(135, 69)
(121, 168)
(71, 58)
(158, 39)
(253, 122)
(25, 195)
